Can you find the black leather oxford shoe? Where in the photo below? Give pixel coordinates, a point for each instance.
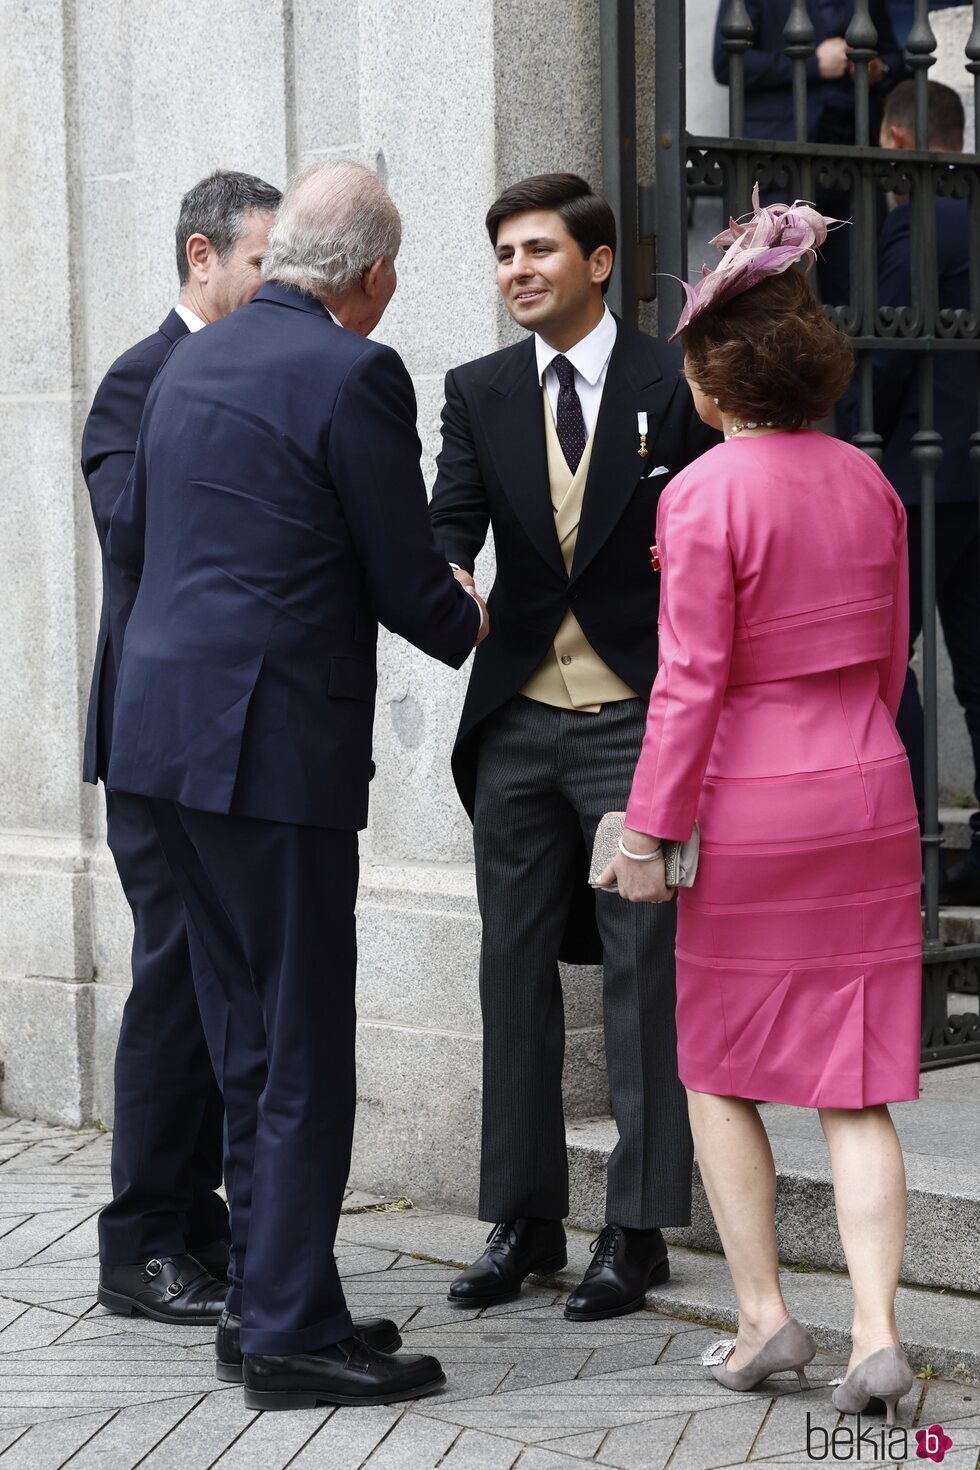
(377, 1332)
(174, 1289)
(516, 1249)
(349, 1372)
(624, 1264)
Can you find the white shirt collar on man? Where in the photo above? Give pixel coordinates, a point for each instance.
(590, 359)
(191, 320)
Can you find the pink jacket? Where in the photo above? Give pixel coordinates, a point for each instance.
(781, 556)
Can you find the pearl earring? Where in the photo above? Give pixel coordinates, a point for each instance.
(714, 400)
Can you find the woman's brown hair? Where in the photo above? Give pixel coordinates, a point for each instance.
(770, 355)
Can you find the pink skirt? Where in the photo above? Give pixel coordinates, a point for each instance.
(799, 949)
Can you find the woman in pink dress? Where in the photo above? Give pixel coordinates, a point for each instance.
(783, 650)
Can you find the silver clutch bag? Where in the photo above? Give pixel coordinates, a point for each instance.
(680, 858)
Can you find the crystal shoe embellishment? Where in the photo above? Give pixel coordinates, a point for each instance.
(718, 1352)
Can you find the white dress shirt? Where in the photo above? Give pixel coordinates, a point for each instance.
(191, 320)
(589, 358)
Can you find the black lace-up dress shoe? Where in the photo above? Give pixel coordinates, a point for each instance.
(516, 1249)
(174, 1289)
(376, 1332)
(624, 1264)
(349, 1372)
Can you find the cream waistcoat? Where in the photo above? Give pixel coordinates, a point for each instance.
(572, 676)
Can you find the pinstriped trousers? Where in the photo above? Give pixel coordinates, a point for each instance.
(545, 776)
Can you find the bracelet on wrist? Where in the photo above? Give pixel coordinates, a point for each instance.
(639, 857)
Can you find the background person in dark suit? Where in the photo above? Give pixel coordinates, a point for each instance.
(830, 100)
(896, 398)
(275, 513)
(562, 444)
(167, 1136)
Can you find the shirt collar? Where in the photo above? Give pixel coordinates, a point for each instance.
(191, 320)
(589, 356)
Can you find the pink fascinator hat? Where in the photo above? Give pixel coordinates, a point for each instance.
(765, 243)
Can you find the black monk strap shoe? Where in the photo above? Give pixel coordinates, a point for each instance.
(624, 1264)
(515, 1249)
(379, 1333)
(174, 1289)
(213, 1257)
(349, 1372)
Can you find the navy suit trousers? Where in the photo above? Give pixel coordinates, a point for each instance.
(167, 1135)
(272, 905)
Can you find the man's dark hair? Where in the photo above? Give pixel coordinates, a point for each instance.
(945, 113)
(216, 207)
(586, 216)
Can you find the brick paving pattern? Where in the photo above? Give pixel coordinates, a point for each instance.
(527, 1390)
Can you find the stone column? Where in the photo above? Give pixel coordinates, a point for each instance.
(46, 989)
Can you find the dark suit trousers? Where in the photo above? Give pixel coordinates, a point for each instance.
(273, 906)
(169, 1117)
(958, 604)
(545, 776)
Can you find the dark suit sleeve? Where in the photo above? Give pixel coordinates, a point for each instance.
(111, 431)
(767, 67)
(459, 509)
(373, 457)
(892, 370)
(889, 50)
(124, 547)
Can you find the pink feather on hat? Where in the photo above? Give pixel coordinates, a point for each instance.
(765, 243)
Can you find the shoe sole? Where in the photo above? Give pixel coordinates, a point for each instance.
(233, 1372)
(657, 1278)
(292, 1399)
(124, 1306)
(543, 1268)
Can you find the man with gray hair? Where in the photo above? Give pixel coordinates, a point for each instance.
(166, 1224)
(275, 514)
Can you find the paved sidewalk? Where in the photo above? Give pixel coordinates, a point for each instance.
(82, 1388)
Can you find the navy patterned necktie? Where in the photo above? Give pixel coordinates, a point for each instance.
(569, 420)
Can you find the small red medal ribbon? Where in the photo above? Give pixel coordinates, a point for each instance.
(655, 557)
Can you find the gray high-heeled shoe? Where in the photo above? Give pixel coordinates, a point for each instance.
(791, 1348)
(875, 1384)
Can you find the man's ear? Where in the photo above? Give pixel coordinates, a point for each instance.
(371, 279)
(199, 256)
(602, 264)
(900, 138)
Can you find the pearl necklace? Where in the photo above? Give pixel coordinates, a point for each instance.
(737, 428)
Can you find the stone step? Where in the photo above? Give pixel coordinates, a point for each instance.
(941, 1139)
(955, 822)
(940, 1330)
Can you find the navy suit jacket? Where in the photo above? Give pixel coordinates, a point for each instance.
(108, 449)
(275, 513)
(896, 394)
(769, 71)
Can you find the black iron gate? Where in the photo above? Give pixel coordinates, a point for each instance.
(653, 220)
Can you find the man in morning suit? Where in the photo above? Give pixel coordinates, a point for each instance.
(562, 444)
(276, 512)
(165, 1222)
(896, 404)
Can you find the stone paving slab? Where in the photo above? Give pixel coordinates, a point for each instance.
(84, 1389)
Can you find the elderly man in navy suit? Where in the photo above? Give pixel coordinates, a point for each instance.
(275, 514)
(166, 1225)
